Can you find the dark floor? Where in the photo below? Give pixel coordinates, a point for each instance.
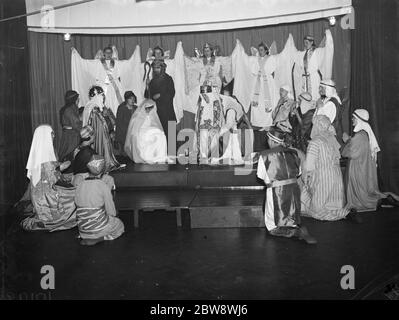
(159, 261)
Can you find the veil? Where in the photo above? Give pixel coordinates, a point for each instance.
(145, 140)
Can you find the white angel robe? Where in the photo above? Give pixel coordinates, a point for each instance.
(257, 81)
(123, 76)
(145, 138)
(200, 70)
(319, 66)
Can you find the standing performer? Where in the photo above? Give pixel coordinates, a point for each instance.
(93, 116)
(108, 72)
(175, 68)
(205, 69)
(258, 77)
(362, 192)
(96, 212)
(162, 90)
(71, 124)
(125, 112)
(279, 168)
(313, 64)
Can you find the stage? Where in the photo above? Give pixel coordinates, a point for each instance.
(202, 196)
(185, 176)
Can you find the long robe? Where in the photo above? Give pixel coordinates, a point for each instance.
(102, 142)
(71, 125)
(164, 86)
(96, 213)
(122, 122)
(257, 79)
(313, 65)
(125, 74)
(53, 205)
(145, 139)
(323, 196)
(362, 192)
(283, 205)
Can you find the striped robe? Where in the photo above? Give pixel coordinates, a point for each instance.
(323, 195)
(96, 213)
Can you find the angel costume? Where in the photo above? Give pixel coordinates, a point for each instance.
(313, 65)
(200, 70)
(145, 139)
(114, 76)
(257, 79)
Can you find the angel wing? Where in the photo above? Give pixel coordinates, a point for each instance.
(131, 74)
(83, 73)
(254, 51)
(273, 48)
(177, 64)
(149, 54)
(242, 75)
(325, 53)
(284, 63)
(99, 54)
(166, 54)
(114, 53)
(226, 68)
(193, 67)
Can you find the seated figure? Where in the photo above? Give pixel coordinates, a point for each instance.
(145, 138)
(96, 213)
(51, 198)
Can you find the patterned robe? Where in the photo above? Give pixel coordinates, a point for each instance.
(279, 168)
(323, 196)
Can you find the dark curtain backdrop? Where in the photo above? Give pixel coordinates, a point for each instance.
(15, 116)
(50, 57)
(374, 83)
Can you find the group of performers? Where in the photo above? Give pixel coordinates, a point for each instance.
(288, 97)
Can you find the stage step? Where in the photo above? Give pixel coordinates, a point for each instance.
(184, 176)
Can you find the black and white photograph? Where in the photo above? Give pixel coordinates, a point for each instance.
(199, 156)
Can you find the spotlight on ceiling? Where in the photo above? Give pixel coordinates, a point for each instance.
(332, 20)
(67, 36)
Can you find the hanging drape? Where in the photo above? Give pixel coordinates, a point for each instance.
(374, 83)
(50, 57)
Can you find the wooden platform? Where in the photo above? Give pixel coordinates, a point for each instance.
(185, 176)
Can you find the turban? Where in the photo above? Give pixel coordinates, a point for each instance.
(331, 91)
(86, 132)
(96, 165)
(306, 102)
(276, 135)
(71, 96)
(309, 37)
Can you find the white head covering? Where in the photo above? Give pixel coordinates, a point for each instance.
(41, 151)
(306, 102)
(331, 91)
(96, 101)
(287, 88)
(362, 116)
